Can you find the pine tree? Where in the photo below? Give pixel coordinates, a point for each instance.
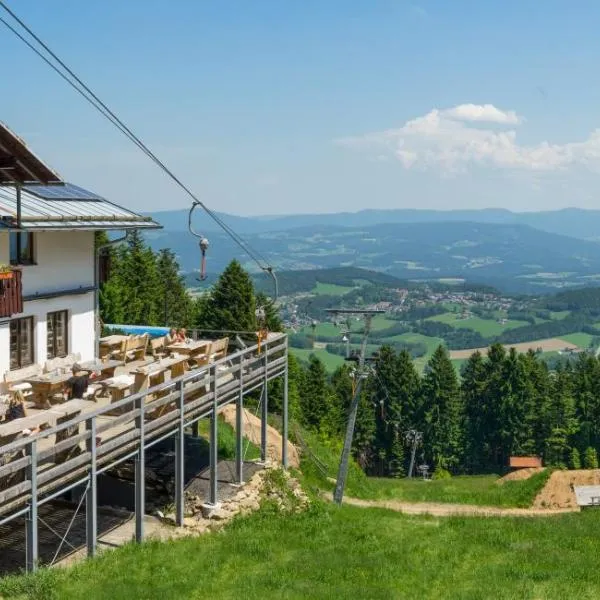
(442, 412)
(315, 395)
(560, 421)
(112, 308)
(575, 459)
(137, 278)
(231, 305)
(473, 389)
(173, 303)
(590, 458)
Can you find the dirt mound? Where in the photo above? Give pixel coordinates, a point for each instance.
(520, 474)
(558, 491)
(251, 427)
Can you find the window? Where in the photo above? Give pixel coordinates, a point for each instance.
(58, 340)
(21, 342)
(21, 248)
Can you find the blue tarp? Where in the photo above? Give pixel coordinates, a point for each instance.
(139, 329)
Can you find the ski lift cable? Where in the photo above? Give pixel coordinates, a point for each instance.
(95, 101)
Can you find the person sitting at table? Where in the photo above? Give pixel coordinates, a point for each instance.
(172, 336)
(77, 385)
(16, 407)
(182, 336)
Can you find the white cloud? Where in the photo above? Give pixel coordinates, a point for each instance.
(467, 135)
(482, 112)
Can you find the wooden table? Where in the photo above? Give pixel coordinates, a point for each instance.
(43, 386)
(105, 368)
(192, 348)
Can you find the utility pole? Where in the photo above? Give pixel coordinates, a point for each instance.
(361, 374)
(413, 437)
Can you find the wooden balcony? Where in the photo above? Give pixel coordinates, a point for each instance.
(11, 294)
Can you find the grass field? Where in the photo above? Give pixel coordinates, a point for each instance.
(330, 289)
(547, 345)
(581, 340)
(558, 315)
(486, 327)
(412, 338)
(331, 361)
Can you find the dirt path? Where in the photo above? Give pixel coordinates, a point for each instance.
(450, 510)
(251, 428)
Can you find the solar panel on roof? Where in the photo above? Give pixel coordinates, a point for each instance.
(66, 191)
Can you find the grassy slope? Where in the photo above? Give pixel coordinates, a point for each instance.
(346, 553)
(480, 489)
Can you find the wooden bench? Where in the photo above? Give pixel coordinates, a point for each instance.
(133, 348)
(158, 347)
(218, 349)
(65, 362)
(16, 380)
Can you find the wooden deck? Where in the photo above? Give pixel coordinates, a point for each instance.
(110, 433)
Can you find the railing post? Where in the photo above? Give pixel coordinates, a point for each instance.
(91, 496)
(264, 411)
(140, 474)
(214, 450)
(180, 461)
(31, 521)
(239, 428)
(285, 415)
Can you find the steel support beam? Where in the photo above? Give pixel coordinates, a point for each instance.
(31, 521)
(180, 462)
(285, 416)
(214, 450)
(239, 430)
(91, 496)
(264, 414)
(140, 476)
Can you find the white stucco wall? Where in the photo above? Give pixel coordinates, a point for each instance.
(65, 261)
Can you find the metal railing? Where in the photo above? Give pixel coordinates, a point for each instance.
(130, 426)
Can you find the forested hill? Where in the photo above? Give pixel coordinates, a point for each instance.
(585, 299)
(292, 282)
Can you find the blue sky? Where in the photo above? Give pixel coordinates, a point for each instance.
(267, 107)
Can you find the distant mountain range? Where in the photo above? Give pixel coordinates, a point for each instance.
(517, 252)
(574, 222)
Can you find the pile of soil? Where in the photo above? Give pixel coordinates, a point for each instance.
(558, 492)
(251, 426)
(520, 474)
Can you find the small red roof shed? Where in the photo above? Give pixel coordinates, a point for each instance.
(521, 462)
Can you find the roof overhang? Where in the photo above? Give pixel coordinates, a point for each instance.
(18, 164)
(67, 207)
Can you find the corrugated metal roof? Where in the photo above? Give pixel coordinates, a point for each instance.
(39, 213)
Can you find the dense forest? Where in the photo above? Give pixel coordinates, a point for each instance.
(504, 404)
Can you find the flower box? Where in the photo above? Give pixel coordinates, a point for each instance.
(6, 275)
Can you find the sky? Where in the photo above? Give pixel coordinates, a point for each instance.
(305, 106)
